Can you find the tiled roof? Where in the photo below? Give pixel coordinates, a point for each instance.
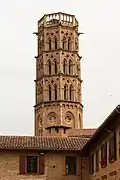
(81, 132)
(105, 127)
(42, 143)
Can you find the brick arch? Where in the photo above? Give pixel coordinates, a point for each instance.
(69, 119)
(52, 118)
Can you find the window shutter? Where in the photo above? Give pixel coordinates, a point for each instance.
(22, 164)
(41, 165)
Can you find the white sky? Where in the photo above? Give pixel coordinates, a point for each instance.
(99, 46)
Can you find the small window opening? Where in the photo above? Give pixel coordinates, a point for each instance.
(57, 130)
(49, 93)
(55, 67)
(55, 43)
(55, 92)
(49, 44)
(49, 67)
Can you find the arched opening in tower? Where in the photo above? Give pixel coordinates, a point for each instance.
(55, 43)
(49, 93)
(71, 95)
(70, 67)
(55, 92)
(49, 64)
(65, 92)
(69, 43)
(64, 67)
(49, 44)
(55, 67)
(64, 42)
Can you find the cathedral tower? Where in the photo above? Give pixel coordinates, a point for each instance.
(58, 76)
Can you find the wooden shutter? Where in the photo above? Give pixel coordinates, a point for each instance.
(22, 164)
(41, 165)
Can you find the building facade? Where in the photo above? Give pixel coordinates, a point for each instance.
(61, 149)
(58, 76)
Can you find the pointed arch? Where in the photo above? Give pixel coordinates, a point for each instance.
(50, 93)
(55, 66)
(64, 43)
(50, 44)
(70, 67)
(55, 42)
(69, 43)
(65, 92)
(49, 66)
(71, 93)
(64, 66)
(55, 88)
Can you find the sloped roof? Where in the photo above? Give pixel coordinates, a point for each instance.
(42, 143)
(105, 127)
(81, 132)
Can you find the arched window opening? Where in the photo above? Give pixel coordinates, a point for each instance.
(49, 64)
(71, 93)
(69, 43)
(55, 43)
(56, 130)
(64, 42)
(55, 67)
(80, 120)
(65, 92)
(70, 67)
(64, 67)
(55, 92)
(49, 44)
(49, 93)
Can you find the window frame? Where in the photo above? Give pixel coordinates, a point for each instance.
(91, 164)
(104, 155)
(40, 164)
(70, 166)
(97, 160)
(112, 148)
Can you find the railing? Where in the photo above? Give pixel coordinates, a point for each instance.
(56, 18)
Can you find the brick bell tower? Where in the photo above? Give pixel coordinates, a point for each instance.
(58, 76)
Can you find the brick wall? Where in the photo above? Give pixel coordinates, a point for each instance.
(54, 166)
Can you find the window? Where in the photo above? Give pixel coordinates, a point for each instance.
(91, 164)
(70, 165)
(57, 130)
(49, 93)
(31, 164)
(55, 43)
(104, 155)
(65, 92)
(64, 67)
(71, 93)
(64, 42)
(49, 64)
(69, 43)
(112, 148)
(70, 67)
(49, 44)
(97, 160)
(55, 92)
(55, 67)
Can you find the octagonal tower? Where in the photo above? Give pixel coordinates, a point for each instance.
(58, 81)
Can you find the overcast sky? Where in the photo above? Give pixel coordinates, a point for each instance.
(99, 47)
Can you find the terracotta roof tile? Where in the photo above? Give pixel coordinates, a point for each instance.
(81, 132)
(42, 143)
